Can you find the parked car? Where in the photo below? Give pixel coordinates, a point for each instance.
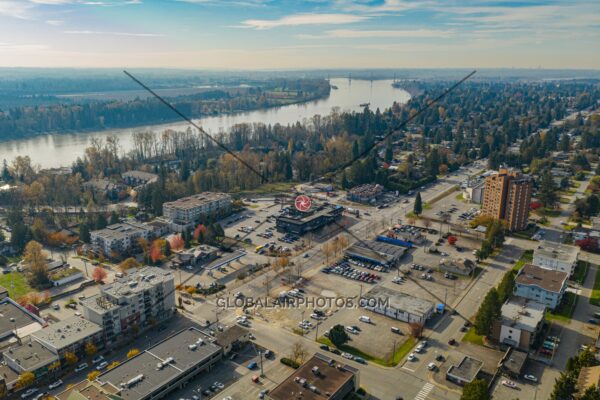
(324, 347)
(396, 330)
(451, 342)
(252, 365)
(431, 366)
(530, 378)
(29, 393)
(351, 330)
(348, 356)
(509, 384)
(97, 359)
(439, 357)
(55, 384)
(81, 367)
(411, 357)
(102, 366)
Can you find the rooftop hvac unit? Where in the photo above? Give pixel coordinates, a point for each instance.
(193, 347)
(135, 380)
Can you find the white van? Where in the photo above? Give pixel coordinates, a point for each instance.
(119, 274)
(364, 318)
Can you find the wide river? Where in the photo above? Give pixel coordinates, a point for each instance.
(61, 150)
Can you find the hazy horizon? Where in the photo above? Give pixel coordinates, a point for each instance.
(299, 35)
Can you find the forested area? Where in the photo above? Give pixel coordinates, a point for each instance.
(20, 121)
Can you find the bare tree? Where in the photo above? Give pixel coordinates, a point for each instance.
(298, 353)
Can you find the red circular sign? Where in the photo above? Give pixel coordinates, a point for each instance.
(303, 203)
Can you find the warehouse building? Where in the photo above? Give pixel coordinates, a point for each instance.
(376, 252)
(397, 305)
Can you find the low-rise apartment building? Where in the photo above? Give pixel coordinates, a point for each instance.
(542, 285)
(69, 335)
(520, 322)
(146, 296)
(121, 238)
(556, 256)
(185, 213)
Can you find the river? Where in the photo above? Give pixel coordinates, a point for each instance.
(55, 150)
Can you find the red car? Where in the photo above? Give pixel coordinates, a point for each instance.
(451, 342)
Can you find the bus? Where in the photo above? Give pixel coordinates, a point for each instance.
(259, 248)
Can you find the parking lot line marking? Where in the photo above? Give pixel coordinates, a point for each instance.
(422, 395)
(408, 369)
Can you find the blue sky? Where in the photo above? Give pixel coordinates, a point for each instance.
(273, 34)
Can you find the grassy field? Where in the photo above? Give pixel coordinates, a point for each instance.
(595, 297)
(396, 358)
(268, 188)
(580, 272)
(526, 258)
(472, 337)
(565, 309)
(16, 284)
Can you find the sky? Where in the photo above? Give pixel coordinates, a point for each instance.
(287, 34)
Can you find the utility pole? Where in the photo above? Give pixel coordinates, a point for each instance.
(317, 331)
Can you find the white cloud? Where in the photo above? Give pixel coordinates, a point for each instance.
(85, 32)
(15, 9)
(55, 22)
(403, 33)
(22, 47)
(303, 19)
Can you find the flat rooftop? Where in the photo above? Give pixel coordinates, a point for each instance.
(142, 279)
(523, 314)
(558, 251)
(547, 279)
(23, 319)
(197, 200)
(99, 303)
(30, 355)
(66, 332)
(387, 250)
(515, 361)
(467, 369)
(297, 217)
(174, 356)
(400, 301)
(304, 384)
(122, 230)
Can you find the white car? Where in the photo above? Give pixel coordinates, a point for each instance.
(97, 359)
(348, 356)
(29, 392)
(431, 366)
(351, 330)
(102, 365)
(509, 384)
(411, 357)
(419, 349)
(423, 343)
(315, 316)
(81, 367)
(55, 384)
(530, 378)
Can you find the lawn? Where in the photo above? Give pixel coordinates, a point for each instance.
(548, 212)
(16, 284)
(268, 188)
(565, 309)
(460, 197)
(526, 258)
(595, 298)
(396, 358)
(472, 337)
(580, 272)
(564, 200)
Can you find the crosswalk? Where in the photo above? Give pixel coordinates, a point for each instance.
(422, 395)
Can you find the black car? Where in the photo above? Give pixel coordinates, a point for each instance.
(324, 347)
(336, 351)
(439, 357)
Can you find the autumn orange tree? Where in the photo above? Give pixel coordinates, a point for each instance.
(177, 242)
(99, 274)
(199, 233)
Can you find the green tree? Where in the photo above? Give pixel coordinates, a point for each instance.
(355, 150)
(389, 152)
(565, 143)
(476, 390)
(84, 232)
(418, 207)
(591, 393)
(564, 387)
(506, 286)
(547, 191)
(488, 313)
(114, 218)
(338, 335)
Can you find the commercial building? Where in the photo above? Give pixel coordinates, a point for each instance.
(143, 297)
(30, 356)
(139, 178)
(376, 252)
(300, 223)
(397, 305)
(319, 378)
(86, 390)
(556, 256)
(506, 196)
(69, 335)
(520, 322)
(185, 213)
(196, 256)
(16, 322)
(473, 190)
(164, 367)
(367, 193)
(513, 362)
(121, 238)
(232, 338)
(542, 285)
(464, 372)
